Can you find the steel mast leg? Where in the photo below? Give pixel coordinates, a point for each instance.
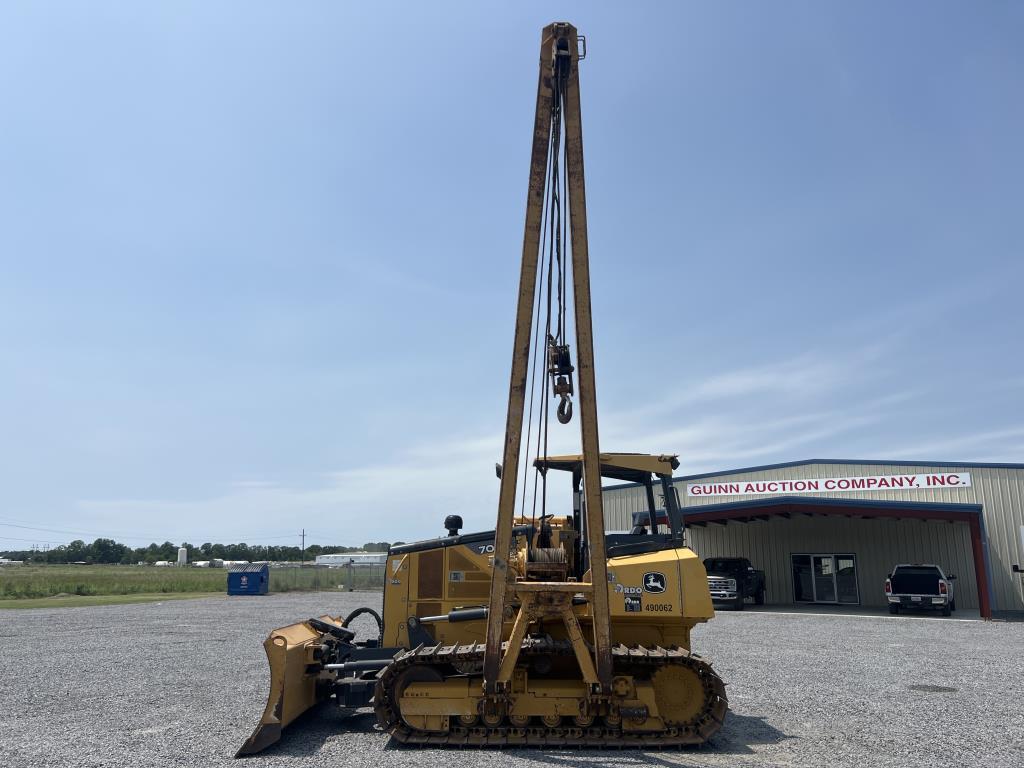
(520, 364)
(585, 344)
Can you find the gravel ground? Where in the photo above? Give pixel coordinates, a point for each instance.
(183, 683)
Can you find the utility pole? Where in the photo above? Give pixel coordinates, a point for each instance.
(303, 546)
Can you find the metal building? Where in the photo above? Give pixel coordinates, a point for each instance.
(828, 531)
(358, 559)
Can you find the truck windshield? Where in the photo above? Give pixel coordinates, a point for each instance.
(916, 581)
(721, 564)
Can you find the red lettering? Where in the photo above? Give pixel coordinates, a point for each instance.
(952, 479)
(750, 488)
(812, 485)
(843, 484)
(830, 485)
(773, 487)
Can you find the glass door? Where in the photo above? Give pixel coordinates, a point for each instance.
(824, 568)
(825, 578)
(846, 580)
(803, 590)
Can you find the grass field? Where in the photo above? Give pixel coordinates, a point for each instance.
(46, 581)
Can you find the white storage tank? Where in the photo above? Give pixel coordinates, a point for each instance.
(182, 556)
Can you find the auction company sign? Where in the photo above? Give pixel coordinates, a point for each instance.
(832, 484)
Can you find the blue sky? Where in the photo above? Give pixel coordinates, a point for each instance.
(258, 262)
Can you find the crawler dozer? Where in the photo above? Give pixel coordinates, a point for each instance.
(545, 631)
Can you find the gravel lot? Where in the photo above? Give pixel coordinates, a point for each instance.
(183, 683)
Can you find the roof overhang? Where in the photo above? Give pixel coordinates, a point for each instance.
(787, 506)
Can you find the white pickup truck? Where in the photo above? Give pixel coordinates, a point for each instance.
(920, 586)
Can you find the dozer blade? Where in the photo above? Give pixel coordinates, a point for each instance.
(293, 683)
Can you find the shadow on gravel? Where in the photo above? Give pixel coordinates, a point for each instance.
(307, 735)
(742, 731)
(738, 735)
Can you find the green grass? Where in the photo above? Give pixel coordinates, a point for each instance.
(324, 579)
(72, 601)
(27, 582)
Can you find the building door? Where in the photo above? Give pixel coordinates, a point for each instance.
(824, 570)
(846, 580)
(827, 578)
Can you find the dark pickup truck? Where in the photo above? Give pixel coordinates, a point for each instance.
(732, 580)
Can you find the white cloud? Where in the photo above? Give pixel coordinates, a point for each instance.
(401, 500)
(791, 409)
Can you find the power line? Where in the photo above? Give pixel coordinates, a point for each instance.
(136, 537)
(153, 539)
(32, 541)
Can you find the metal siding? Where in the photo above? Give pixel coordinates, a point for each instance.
(998, 489)
(620, 505)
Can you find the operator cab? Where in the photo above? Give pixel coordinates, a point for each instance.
(643, 469)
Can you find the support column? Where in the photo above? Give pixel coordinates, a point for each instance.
(980, 566)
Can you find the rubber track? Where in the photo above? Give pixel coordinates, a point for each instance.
(624, 658)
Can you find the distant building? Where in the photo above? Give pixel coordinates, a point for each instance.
(358, 559)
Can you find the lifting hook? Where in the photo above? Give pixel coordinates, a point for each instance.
(564, 412)
(560, 369)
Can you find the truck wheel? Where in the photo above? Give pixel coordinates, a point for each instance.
(738, 603)
(759, 597)
(894, 609)
(952, 606)
(946, 610)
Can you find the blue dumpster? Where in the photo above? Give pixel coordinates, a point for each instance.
(251, 579)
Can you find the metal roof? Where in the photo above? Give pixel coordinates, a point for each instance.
(806, 462)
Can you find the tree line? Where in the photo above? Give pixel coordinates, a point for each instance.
(108, 551)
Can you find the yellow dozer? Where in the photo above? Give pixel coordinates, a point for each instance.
(545, 631)
(424, 673)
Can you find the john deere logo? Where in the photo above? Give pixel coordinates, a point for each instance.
(654, 582)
